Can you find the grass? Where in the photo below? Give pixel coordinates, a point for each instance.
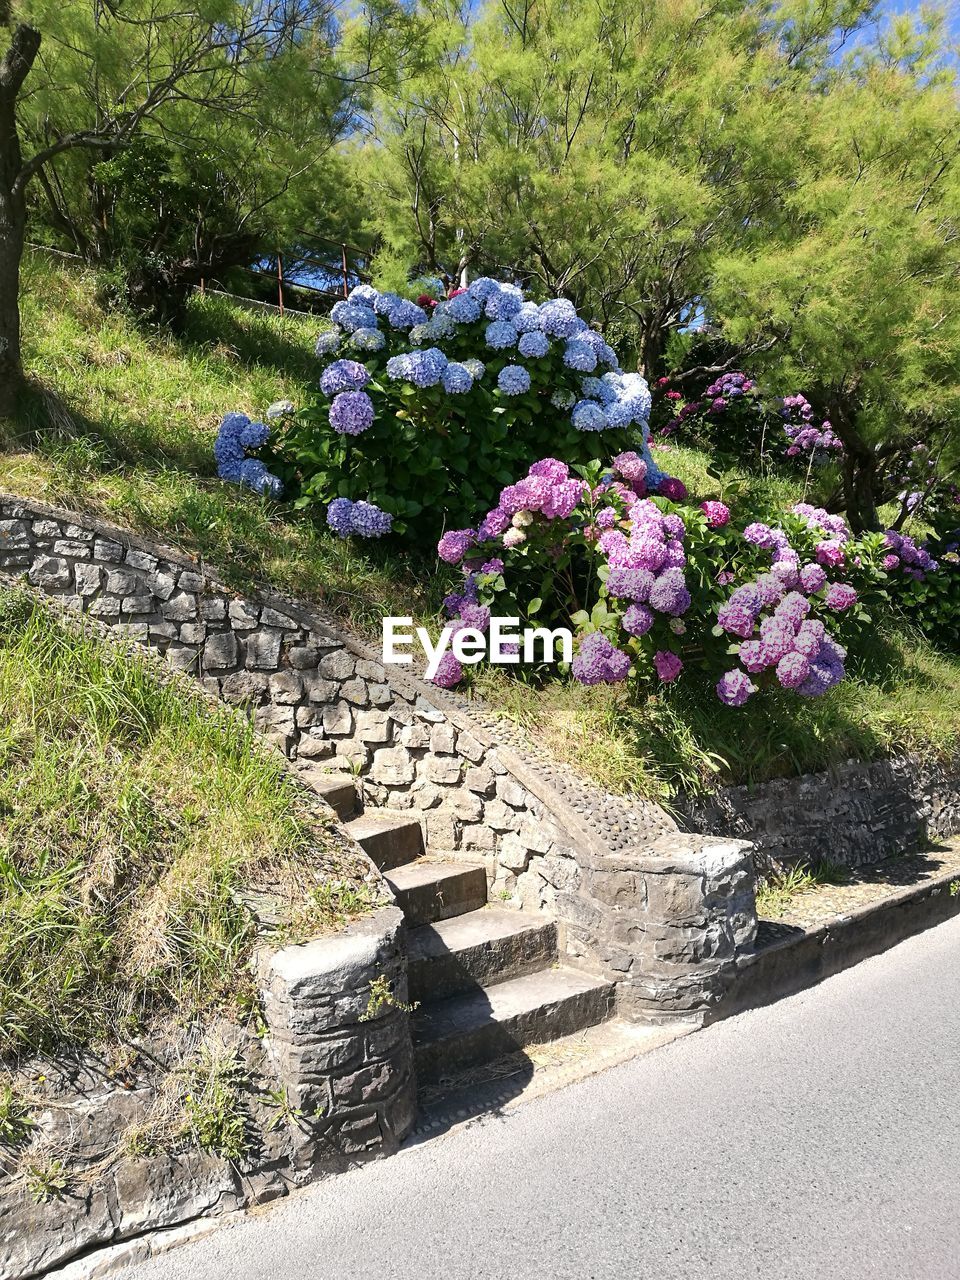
(134, 445)
(776, 893)
(133, 820)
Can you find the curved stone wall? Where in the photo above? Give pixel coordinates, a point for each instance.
(663, 914)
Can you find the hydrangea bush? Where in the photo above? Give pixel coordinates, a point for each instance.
(427, 409)
(654, 584)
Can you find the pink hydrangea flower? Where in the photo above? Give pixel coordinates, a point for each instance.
(667, 664)
(672, 488)
(840, 596)
(717, 513)
(831, 553)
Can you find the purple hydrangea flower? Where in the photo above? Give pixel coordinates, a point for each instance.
(343, 375)
(668, 665)
(735, 688)
(351, 413)
(840, 596)
(638, 619)
(449, 672)
(717, 514)
(793, 669)
(812, 578)
(631, 584)
(599, 662)
(455, 544)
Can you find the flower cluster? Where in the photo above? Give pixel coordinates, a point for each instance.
(235, 439)
(637, 549)
(803, 435)
(770, 615)
(358, 519)
(404, 385)
(903, 553)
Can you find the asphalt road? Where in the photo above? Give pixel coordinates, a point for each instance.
(819, 1137)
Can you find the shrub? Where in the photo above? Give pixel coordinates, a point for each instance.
(425, 412)
(653, 583)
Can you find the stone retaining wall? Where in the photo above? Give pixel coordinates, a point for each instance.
(549, 841)
(855, 814)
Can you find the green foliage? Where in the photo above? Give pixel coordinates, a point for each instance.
(16, 1121)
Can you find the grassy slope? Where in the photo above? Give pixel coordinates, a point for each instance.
(147, 407)
(131, 817)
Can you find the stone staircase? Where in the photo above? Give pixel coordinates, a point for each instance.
(486, 979)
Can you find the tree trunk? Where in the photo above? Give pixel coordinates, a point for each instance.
(13, 213)
(860, 464)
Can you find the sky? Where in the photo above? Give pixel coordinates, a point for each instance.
(914, 6)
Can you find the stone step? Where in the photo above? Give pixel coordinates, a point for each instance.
(391, 839)
(429, 891)
(477, 949)
(339, 790)
(470, 1029)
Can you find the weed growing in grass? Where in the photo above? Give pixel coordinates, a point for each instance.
(16, 1122)
(776, 893)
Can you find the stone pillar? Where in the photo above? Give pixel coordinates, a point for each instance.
(670, 922)
(342, 1057)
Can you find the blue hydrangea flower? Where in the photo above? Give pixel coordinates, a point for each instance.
(328, 342)
(370, 521)
(533, 344)
(588, 416)
(620, 413)
(422, 368)
(351, 413)
(464, 308)
(577, 355)
(527, 318)
(343, 375)
(558, 318)
(404, 314)
(367, 340)
(352, 315)
(419, 333)
(364, 294)
(482, 288)
(503, 304)
(457, 379)
(599, 389)
(397, 367)
(360, 519)
(340, 516)
(385, 303)
(513, 380)
(254, 435)
(442, 326)
(255, 476)
(500, 335)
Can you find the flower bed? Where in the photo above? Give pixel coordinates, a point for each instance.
(652, 582)
(424, 412)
